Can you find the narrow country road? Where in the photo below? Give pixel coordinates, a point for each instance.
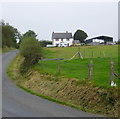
(18, 103)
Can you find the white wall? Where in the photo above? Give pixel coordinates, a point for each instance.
(70, 42)
(97, 40)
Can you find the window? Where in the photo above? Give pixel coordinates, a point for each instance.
(57, 45)
(57, 39)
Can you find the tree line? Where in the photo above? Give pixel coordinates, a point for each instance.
(9, 35)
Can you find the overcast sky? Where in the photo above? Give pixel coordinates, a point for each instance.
(95, 18)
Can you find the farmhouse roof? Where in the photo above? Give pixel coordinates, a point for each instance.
(61, 35)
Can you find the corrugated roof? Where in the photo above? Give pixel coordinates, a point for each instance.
(61, 35)
(102, 38)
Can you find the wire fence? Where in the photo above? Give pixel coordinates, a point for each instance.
(103, 72)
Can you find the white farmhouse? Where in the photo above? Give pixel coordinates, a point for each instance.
(62, 39)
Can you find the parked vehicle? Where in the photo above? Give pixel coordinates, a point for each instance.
(64, 45)
(50, 46)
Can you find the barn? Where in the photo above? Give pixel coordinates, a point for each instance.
(100, 40)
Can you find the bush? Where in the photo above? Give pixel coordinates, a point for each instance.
(87, 45)
(31, 50)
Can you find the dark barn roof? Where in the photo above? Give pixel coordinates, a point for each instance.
(61, 35)
(105, 38)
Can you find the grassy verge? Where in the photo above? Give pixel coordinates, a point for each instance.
(51, 99)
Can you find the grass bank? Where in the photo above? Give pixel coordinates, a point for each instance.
(50, 98)
(77, 93)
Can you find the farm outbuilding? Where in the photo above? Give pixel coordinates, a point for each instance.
(100, 40)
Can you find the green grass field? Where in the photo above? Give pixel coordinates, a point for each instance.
(78, 68)
(68, 52)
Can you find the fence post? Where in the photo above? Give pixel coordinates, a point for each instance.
(59, 66)
(90, 69)
(104, 54)
(100, 54)
(111, 70)
(84, 53)
(79, 52)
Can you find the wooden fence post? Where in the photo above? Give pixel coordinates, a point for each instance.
(90, 69)
(59, 66)
(111, 70)
(79, 52)
(100, 54)
(104, 54)
(84, 53)
(111, 58)
(59, 70)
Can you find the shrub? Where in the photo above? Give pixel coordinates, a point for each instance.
(87, 45)
(31, 50)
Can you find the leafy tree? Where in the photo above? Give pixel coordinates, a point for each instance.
(80, 35)
(30, 33)
(31, 50)
(9, 35)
